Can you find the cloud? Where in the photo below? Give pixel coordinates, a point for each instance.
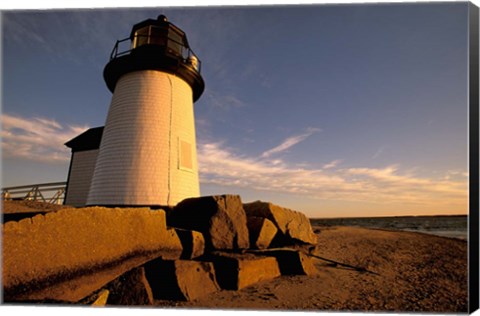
(289, 142)
(390, 177)
(221, 166)
(378, 152)
(36, 138)
(222, 101)
(252, 72)
(332, 164)
(90, 41)
(450, 174)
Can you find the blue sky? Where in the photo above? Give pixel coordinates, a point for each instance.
(333, 110)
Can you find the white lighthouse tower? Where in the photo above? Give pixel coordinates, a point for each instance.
(147, 153)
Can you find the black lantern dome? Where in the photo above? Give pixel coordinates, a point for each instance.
(155, 45)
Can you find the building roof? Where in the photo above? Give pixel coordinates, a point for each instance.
(88, 140)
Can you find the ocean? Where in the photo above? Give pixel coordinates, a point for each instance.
(455, 226)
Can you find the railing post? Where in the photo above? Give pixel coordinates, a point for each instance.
(5, 195)
(28, 197)
(39, 195)
(56, 198)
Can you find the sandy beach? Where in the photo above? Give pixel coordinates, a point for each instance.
(410, 272)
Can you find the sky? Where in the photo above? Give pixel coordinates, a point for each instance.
(332, 110)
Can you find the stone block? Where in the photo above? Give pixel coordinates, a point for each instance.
(291, 262)
(193, 243)
(294, 227)
(183, 280)
(236, 271)
(261, 232)
(221, 220)
(69, 254)
(130, 289)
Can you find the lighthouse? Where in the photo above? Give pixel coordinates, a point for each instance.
(147, 154)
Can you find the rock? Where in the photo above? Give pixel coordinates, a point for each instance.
(130, 289)
(236, 271)
(193, 243)
(184, 280)
(69, 254)
(294, 227)
(291, 262)
(221, 219)
(261, 232)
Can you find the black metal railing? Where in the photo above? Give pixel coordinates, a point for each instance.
(36, 192)
(172, 48)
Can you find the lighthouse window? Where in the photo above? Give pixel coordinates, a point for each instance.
(175, 42)
(157, 36)
(185, 160)
(149, 35)
(141, 36)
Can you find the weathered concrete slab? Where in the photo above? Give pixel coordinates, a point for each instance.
(67, 255)
(291, 261)
(183, 280)
(236, 271)
(294, 226)
(130, 289)
(261, 232)
(221, 219)
(193, 243)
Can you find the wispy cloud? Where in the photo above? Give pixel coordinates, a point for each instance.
(36, 138)
(253, 72)
(90, 41)
(391, 177)
(332, 164)
(220, 165)
(451, 174)
(378, 152)
(289, 142)
(223, 101)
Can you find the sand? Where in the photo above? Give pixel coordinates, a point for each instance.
(413, 272)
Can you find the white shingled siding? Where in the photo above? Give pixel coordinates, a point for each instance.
(81, 172)
(150, 112)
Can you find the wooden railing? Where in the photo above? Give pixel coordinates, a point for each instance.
(53, 192)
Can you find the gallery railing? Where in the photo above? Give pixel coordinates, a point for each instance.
(53, 192)
(173, 48)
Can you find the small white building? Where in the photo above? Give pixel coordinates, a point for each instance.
(82, 164)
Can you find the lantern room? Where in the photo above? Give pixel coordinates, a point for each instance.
(160, 33)
(155, 44)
